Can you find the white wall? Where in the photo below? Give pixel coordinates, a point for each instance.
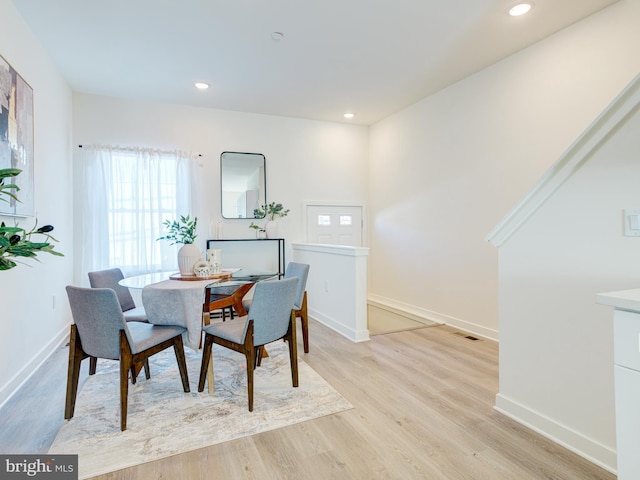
(444, 171)
(32, 323)
(305, 160)
(556, 350)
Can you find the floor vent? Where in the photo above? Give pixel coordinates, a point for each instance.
(468, 337)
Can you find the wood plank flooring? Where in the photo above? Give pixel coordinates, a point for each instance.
(423, 409)
(382, 321)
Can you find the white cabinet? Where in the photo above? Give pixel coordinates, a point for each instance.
(626, 338)
(627, 422)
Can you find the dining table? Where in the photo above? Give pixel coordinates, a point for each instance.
(191, 294)
(198, 298)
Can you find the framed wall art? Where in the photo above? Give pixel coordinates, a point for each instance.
(16, 138)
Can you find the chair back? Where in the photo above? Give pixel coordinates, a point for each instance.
(300, 270)
(271, 310)
(109, 279)
(98, 318)
(165, 306)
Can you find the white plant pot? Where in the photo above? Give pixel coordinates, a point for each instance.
(188, 255)
(271, 229)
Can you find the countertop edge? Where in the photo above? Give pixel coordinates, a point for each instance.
(623, 299)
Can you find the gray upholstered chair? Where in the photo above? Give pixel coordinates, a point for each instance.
(271, 318)
(100, 331)
(109, 279)
(301, 271)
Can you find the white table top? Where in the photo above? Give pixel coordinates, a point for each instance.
(141, 281)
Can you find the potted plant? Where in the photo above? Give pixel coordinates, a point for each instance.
(183, 231)
(16, 241)
(271, 212)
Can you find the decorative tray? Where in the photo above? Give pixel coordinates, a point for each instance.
(213, 276)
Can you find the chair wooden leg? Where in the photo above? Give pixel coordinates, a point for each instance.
(206, 356)
(76, 354)
(126, 364)
(136, 367)
(260, 353)
(304, 320)
(178, 348)
(250, 354)
(251, 366)
(257, 351)
(147, 370)
(293, 349)
(93, 364)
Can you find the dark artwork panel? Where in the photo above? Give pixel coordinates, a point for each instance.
(16, 137)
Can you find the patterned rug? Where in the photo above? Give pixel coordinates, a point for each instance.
(163, 420)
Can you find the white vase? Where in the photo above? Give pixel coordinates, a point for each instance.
(271, 229)
(214, 257)
(188, 255)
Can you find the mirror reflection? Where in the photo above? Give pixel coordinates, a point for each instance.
(243, 183)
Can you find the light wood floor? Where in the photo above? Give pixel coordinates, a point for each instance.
(422, 402)
(381, 321)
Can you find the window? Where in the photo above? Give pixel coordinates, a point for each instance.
(324, 220)
(127, 195)
(346, 220)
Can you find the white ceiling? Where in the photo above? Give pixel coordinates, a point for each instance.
(371, 57)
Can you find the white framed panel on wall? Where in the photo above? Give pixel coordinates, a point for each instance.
(334, 223)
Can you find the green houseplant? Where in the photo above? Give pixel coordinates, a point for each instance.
(183, 231)
(271, 212)
(16, 241)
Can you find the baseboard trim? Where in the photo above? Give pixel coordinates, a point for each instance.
(421, 315)
(25, 374)
(355, 336)
(587, 448)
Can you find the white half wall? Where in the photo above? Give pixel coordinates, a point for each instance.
(337, 287)
(35, 315)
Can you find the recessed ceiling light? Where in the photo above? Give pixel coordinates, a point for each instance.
(202, 85)
(349, 115)
(277, 36)
(520, 9)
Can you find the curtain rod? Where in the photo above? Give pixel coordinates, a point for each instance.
(133, 148)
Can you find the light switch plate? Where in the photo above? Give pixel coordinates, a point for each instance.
(632, 222)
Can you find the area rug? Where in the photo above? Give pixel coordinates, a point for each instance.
(163, 420)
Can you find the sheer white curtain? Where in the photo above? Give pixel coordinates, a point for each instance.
(126, 194)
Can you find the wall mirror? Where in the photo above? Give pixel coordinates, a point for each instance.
(243, 183)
